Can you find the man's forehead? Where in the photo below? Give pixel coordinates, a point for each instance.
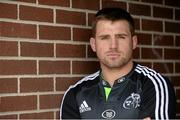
(111, 22)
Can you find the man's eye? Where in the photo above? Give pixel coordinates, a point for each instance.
(121, 37)
(104, 38)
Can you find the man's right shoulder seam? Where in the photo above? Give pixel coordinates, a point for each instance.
(86, 78)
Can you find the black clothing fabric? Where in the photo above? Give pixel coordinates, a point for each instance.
(141, 93)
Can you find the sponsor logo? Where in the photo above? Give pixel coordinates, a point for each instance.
(108, 114)
(132, 101)
(84, 107)
(121, 80)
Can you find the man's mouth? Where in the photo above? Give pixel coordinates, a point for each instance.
(113, 55)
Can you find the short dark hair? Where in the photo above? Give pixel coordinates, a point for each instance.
(113, 14)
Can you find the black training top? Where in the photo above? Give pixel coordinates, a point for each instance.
(140, 94)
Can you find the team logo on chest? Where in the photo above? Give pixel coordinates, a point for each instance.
(84, 107)
(133, 101)
(109, 114)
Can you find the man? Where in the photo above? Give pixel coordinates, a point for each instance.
(121, 89)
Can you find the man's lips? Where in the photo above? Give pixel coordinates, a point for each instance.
(113, 54)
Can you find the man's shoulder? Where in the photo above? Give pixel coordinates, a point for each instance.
(87, 79)
(90, 76)
(153, 77)
(147, 71)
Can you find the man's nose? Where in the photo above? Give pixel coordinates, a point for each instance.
(114, 43)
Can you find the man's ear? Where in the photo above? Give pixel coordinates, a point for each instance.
(93, 44)
(135, 41)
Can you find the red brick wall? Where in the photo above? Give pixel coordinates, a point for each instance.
(44, 47)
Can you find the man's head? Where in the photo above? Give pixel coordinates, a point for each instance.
(114, 39)
(113, 14)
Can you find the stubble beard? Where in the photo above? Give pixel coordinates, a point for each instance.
(120, 62)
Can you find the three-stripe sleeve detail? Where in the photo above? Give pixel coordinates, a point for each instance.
(161, 88)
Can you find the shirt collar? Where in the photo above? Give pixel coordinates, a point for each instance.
(119, 80)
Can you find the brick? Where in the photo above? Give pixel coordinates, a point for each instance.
(50, 101)
(68, 50)
(54, 67)
(8, 11)
(18, 103)
(84, 67)
(41, 115)
(70, 17)
(163, 67)
(178, 107)
(175, 3)
(163, 12)
(175, 80)
(91, 17)
(151, 53)
(57, 115)
(35, 14)
(135, 0)
(81, 34)
(110, 3)
(36, 84)
(28, 1)
(153, 1)
(8, 48)
(166, 40)
(63, 83)
(17, 67)
(91, 54)
(63, 3)
(91, 4)
(136, 53)
(178, 94)
(54, 33)
(177, 67)
(137, 9)
(152, 25)
(172, 54)
(177, 41)
(17, 30)
(144, 39)
(177, 14)
(37, 49)
(137, 24)
(8, 85)
(8, 117)
(172, 27)
(177, 116)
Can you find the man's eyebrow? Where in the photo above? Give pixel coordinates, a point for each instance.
(103, 35)
(106, 35)
(121, 34)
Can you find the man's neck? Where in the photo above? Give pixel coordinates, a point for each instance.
(112, 74)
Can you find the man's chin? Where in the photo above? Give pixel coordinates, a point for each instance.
(114, 65)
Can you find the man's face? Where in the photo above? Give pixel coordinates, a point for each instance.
(113, 43)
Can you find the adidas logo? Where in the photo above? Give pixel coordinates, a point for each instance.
(84, 107)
